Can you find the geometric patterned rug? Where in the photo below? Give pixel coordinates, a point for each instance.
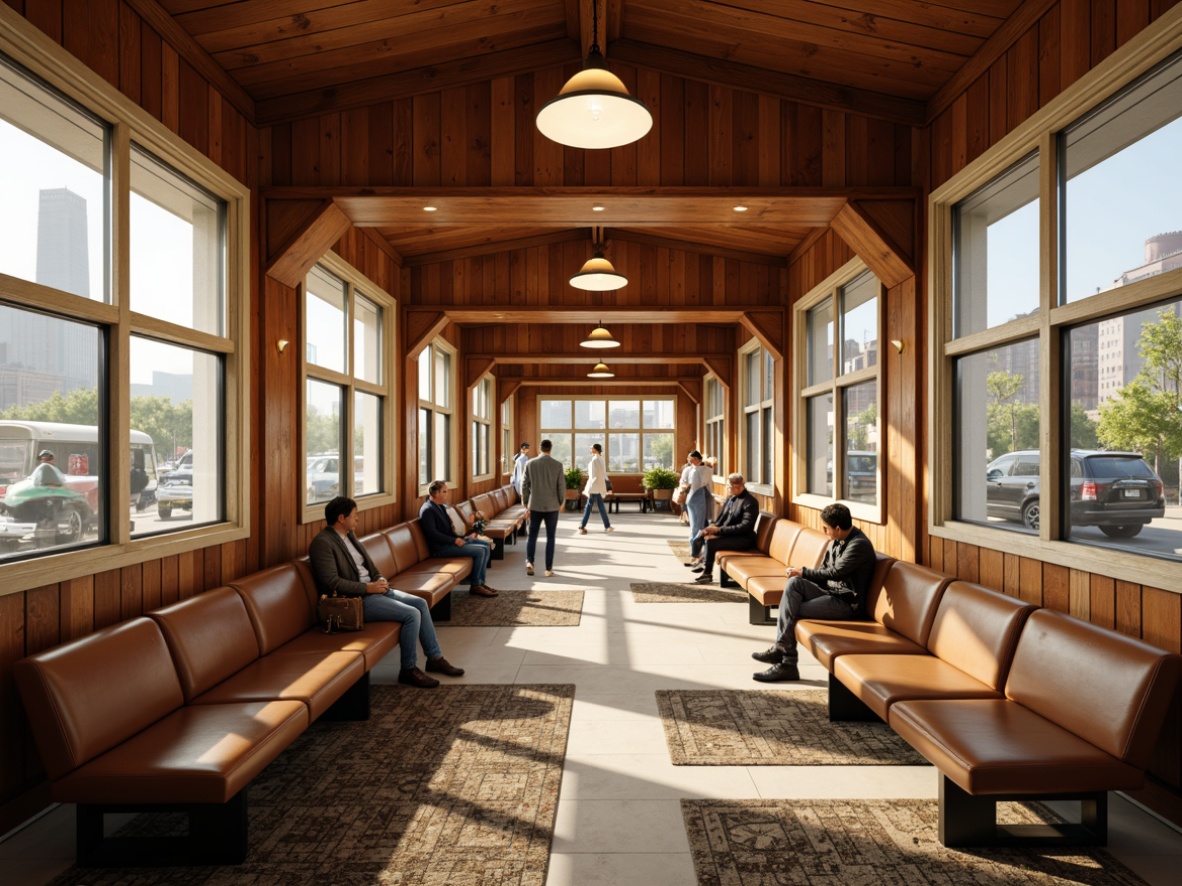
(535, 608)
(451, 785)
(668, 592)
(840, 842)
(760, 727)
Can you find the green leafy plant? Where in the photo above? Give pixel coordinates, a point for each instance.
(574, 478)
(660, 478)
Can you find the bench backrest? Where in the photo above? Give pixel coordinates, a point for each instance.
(457, 522)
(907, 601)
(1109, 689)
(487, 505)
(86, 696)
(765, 526)
(402, 544)
(420, 540)
(783, 537)
(279, 605)
(500, 501)
(976, 630)
(808, 549)
(210, 636)
(377, 545)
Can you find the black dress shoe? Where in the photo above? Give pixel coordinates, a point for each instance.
(704, 579)
(778, 673)
(442, 666)
(698, 568)
(771, 655)
(415, 677)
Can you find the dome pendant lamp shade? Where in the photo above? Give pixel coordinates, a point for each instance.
(601, 371)
(599, 338)
(598, 275)
(594, 110)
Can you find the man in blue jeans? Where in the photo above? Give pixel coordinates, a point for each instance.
(442, 540)
(342, 566)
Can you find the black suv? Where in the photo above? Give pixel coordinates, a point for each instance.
(1116, 491)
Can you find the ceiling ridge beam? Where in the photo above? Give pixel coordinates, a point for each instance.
(431, 258)
(694, 246)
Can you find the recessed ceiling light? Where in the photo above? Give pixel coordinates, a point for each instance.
(597, 208)
(430, 208)
(740, 209)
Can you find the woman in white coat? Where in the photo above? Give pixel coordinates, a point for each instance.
(595, 489)
(698, 480)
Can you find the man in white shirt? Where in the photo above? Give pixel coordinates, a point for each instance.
(519, 461)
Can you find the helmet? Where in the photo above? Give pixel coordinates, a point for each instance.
(46, 453)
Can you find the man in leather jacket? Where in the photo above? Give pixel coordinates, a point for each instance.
(732, 530)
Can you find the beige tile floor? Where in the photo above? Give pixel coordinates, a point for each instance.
(619, 820)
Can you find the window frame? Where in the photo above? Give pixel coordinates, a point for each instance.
(714, 424)
(357, 284)
(436, 409)
(1040, 133)
(764, 406)
(831, 288)
(476, 422)
(606, 432)
(508, 448)
(45, 60)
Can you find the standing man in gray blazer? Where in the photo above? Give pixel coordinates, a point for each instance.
(543, 490)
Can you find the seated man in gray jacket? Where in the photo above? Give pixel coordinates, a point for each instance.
(836, 590)
(342, 566)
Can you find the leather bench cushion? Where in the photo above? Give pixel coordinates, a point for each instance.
(420, 540)
(808, 549)
(744, 567)
(428, 585)
(210, 637)
(1099, 684)
(315, 678)
(373, 642)
(406, 550)
(783, 538)
(197, 754)
(994, 746)
(456, 569)
(882, 680)
(486, 505)
(765, 526)
(829, 640)
(976, 629)
(85, 697)
(377, 545)
(767, 589)
(907, 601)
(468, 509)
(278, 603)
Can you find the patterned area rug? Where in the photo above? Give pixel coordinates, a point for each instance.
(665, 592)
(453, 785)
(869, 843)
(534, 608)
(681, 549)
(758, 727)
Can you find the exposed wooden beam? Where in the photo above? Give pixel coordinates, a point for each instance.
(723, 369)
(792, 87)
(692, 388)
(768, 327)
(865, 230)
(588, 356)
(698, 314)
(320, 226)
(405, 84)
(421, 327)
(475, 368)
(506, 388)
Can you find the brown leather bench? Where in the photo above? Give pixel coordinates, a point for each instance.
(628, 488)
(401, 555)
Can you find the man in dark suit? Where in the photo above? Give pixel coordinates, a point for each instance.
(835, 590)
(442, 540)
(342, 566)
(732, 530)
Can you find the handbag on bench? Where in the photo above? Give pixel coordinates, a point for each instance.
(340, 613)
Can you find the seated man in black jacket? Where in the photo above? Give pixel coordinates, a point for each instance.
(732, 530)
(837, 590)
(442, 540)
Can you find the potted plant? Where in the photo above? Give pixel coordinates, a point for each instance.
(574, 488)
(660, 482)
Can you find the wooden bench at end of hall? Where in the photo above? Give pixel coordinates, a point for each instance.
(628, 488)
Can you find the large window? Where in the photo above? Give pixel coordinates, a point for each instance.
(757, 437)
(508, 447)
(98, 271)
(346, 359)
(481, 431)
(635, 434)
(1091, 293)
(838, 425)
(435, 413)
(715, 420)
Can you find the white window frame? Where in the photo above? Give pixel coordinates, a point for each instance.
(765, 408)
(714, 431)
(484, 389)
(356, 284)
(508, 447)
(46, 60)
(435, 409)
(1038, 133)
(831, 288)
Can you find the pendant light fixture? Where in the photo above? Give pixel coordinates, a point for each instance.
(599, 338)
(594, 109)
(597, 273)
(601, 371)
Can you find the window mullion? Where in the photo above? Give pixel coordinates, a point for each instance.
(118, 362)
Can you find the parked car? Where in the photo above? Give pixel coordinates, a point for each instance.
(861, 470)
(176, 488)
(1116, 491)
(323, 477)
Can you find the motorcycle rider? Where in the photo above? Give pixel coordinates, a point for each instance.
(47, 473)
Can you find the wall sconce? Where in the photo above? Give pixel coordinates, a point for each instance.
(898, 344)
(282, 345)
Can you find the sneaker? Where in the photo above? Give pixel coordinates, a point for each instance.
(771, 655)
(698, 567)
(582, 530)
(442, 666)
(415, 677)
(549, 572)
(609, 529)
(704, 579)
(692, 563)
(777, 673)
(529, 568)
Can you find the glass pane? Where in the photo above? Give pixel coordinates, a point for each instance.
(49, 395)
(52, 188)
(997, 414)
(819, 470)
(367, 340)
(442, 378)
(556, 414)
(859, 323)
(769, 368)
(624, 414)
(324, 433)
(713, 398)
(367, 444)
(751, 378)
(766, 449)
(624, 452)
(441, 447)
(590, 414)
(820, 343)
(861, 442)
(424, 447)
(425, 375)
(1125, 397)
(658, 451)
(177, 247)
(561, 449)
(995, 251)
(658, 414)
(1115, 159)
(180, 412)
(582, 455)
(753, 439)
(324, 308)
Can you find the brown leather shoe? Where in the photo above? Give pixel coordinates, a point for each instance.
(442, 666)
(415, 677)
(482, 591)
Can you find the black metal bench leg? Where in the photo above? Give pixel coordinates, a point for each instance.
(441, 611)
(724, 580)
(757, 613)
(353, 705)
(845, 707)
(498, 549)
(966, 820)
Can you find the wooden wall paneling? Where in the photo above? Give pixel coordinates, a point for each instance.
(803, 145)
(479, 135)
(402, 123)
(426, 156)
(1074, 40)
(992, 572)
(1131, 19)
(768, 147)
(131, 591)
(90, 32)
(547, 155)
(15, 762)
(151, 80)
(1161, 619)
(1049, 55)
(1128, 608)
(215, 126)
(1022, 78)
(940, 152)
(1103, 21)
(453, 137)
(76, 607)
(977, 118)
(378, 147)
(1080, 594)
(501, 132)
(967, 563)
(833, 147)
(305, 151)
(170, 88)
(42, 618)
(648, 149)
(958, 142)
(108, 609)
(1103, 601)
(45, 14)
(671, 129)
(356, 151)
(693, 160)
(525, 105)
(211, 566)
(1013, 577)
(185, 578)
(745, 138)
(193, 107)
(150, 585)
(130, 69)
(1030, 580)
(1056, 591)
(277, 424)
